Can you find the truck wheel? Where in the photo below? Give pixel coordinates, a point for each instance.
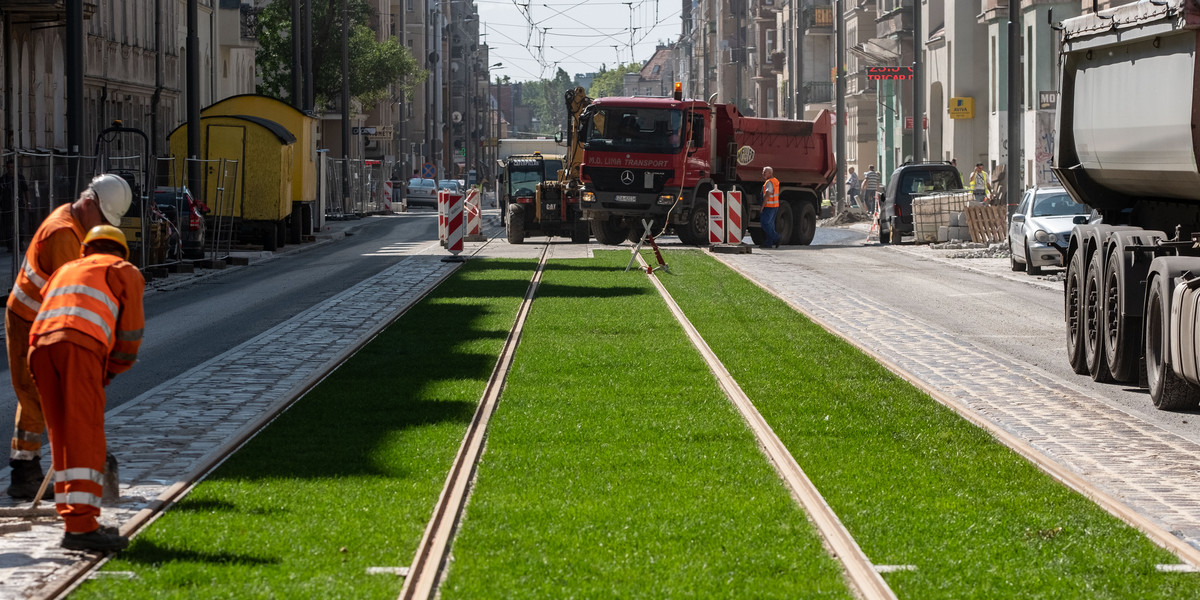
(806, 224)
(515, 227)
(1122, 331)
(784, 223)
(608, 232)
(695, 231)
(1168, 391)
(1073, 313)
(1093, 319)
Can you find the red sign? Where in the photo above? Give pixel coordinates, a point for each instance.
(908, 121)
(889, 73)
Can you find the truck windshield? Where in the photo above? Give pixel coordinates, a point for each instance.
(523, 178)
(648, 130)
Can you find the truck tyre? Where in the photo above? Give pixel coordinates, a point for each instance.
(1093, 319)
(806, 224)
(1073, 312)
(785, 224)
(515, 227)
(694, 232)
(1122, 331)
(1168, 391)
(608, 232)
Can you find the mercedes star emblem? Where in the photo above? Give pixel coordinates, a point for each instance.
(627, 177)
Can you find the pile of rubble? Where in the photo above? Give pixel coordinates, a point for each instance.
(973, 249)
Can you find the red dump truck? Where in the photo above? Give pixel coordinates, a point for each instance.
(657, 158)
(1125, 144)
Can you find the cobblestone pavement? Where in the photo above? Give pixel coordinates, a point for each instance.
(1151, 470)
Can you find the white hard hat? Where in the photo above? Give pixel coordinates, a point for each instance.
(114, 196)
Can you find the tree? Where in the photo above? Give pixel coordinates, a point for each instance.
(612, 82)
(546, 101)
(373, 65)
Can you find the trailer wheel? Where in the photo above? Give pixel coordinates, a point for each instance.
(784, 224)
(516, 224)
(608, 232)
(806, 224)
(1168, 391)
(1093, 319)
(1122, 332)
(1073, 313)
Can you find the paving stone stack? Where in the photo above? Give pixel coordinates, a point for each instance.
(938, 217)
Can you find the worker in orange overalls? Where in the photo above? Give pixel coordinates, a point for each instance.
(57, 241)
(770, 200)
(88, 330)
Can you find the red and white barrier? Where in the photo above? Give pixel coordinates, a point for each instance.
(387, 196)
(733, 217)
(716, 216)
(474, 212)
(441, 212)
(455, 223)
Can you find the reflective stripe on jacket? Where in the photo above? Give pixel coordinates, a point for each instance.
(771, 193)
(99, 296)
(56, 242)
(979, 181)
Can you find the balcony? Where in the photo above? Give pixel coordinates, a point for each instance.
(43, 10)
(818, 92)
(895, 22)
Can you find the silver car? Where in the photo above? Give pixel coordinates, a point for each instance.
(421, 192)
(1040, 229)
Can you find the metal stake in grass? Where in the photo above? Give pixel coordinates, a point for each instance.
(647, 237)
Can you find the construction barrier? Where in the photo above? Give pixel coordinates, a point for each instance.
(455, 222)
(988, 224)
(441, 212)
(474, 216)
(716, 216)
(387, 196)
(733, 217)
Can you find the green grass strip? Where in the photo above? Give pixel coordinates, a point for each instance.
(347, 478)
(615, 467)
(912, 481)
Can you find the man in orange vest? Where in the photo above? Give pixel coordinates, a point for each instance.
(770, 198)
(56, 242)
(88, 330)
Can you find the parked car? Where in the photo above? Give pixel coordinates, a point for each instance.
(895, 217)
(421, 192)
(1040, 229)
(451, 185)
(186, 214)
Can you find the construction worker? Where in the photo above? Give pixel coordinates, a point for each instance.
(56, 242)
(978, 183)
(770, 198)
(88, 330)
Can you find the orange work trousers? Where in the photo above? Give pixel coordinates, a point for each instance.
(71, 381)
(30, 423)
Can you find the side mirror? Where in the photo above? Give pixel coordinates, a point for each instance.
(1080, 220)
(1018, 218)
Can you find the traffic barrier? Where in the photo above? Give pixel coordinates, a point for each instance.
(733, 217)
(441, 212)
(474, 216)
(716, 216)
(387, 196)
(455, 225)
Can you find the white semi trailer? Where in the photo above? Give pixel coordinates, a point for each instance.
(1126, 145)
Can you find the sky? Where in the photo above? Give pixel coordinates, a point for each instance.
(534, 38)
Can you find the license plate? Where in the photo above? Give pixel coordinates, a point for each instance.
(624, 198)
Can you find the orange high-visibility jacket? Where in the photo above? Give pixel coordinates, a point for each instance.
(771, 193)
(56, 242)
(95, 302)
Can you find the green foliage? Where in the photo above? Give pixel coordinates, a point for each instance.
(373, 65)
(545, 99)
(610, 82)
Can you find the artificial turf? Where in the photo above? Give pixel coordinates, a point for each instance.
(913, 482)
(344, 480)
(615, 467)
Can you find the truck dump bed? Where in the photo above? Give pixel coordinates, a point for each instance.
(1125, 124)
(800, 152)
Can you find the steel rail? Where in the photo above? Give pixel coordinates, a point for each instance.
(427, 569)
(1153, 531)
(70, 577)
(860, 572)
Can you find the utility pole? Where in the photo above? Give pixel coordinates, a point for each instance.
(839, 127)
(193, 98)
(918, 96)
(1013, 182)
(345, 104)
(74, 84)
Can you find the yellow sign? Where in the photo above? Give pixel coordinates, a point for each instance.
(962, 108)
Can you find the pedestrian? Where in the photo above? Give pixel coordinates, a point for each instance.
(870, 186)
(852, 186)
(978, 184)
(770, 198)
(56, 242)
(8, 209)
(88, 330)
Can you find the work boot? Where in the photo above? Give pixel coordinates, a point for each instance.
(101, 540)
(27, 477)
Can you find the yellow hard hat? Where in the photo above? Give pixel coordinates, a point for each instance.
(107, 232)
